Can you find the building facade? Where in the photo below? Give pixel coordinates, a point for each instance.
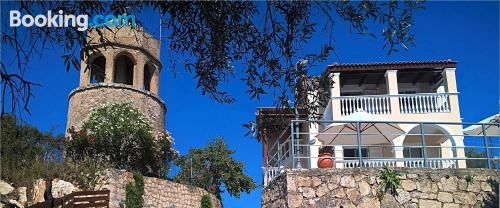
(407, 115)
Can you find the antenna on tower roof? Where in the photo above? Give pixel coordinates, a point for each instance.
(160, 26)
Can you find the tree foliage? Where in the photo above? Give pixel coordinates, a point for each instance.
(214, 169)
(269, 39)
(205, 202)
(21, 147)
(477, 163)
(28, 154)
(120, 135)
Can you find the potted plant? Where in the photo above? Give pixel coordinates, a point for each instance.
(325, 155)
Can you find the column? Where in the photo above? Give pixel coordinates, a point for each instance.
(334, 95)
(314, 149)
(84, 72)
(155, 80)
(338, 153)
(391, 80)
(450, 85)
(398, 150)
(110, 65)
(139, 72)
(399, 154)
(264, 154)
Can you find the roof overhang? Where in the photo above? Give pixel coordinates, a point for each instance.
(399, 65)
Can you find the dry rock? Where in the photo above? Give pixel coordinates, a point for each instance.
(402, 196)
(322, 190)
(445, 197)
(61, 188)
(411, 176)
(294, 200)
(408, 185)
(22, 198)
(451, 205)
(412, 205)
(369, 202)
(291, 185)
(39, 188)
(348, 182)
(364, 188)
(464, 198)
(388, 201)
(449, 184)
(429, 204)
(308, 192)
(462, 185)
(316, 181)
(427, 186)
(338, 193)
(5, 188)
(485, 186)
(474, 187)
(304, 181)
(353, 195)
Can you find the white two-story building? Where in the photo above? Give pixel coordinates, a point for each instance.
(392, 100)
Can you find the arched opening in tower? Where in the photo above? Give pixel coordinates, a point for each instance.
(148, 75)
(124, 70)
(97, 70)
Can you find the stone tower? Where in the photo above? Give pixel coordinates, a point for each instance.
(124, 68)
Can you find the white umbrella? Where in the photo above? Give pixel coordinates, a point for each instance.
(371, 128)
(491, 129)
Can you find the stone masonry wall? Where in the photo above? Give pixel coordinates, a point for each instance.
(82, 100)
(158, 193)
(426, 188)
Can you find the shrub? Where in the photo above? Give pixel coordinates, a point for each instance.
(205, 202)
(134, 192)
(389, 180)
(121, 136)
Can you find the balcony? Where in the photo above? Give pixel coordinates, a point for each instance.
(406, 103)
(406, 94)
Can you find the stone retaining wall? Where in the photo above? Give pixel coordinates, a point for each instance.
(442, 188)
(158, 193)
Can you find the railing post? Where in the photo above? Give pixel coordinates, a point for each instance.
(424, 148)
(297, 132)
(486, 147)
(292, 137)
(358, 138)
(279, 155)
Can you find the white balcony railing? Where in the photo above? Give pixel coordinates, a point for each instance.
(407, 162)
(432, 163)
(368, 163)
(408, 103)
(424, 103)
(369, 104)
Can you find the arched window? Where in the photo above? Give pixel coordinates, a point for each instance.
(97, 69)
(124, 70)
(148, 75)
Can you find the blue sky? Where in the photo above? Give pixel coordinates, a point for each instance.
(467, 32)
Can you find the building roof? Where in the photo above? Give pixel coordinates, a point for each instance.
(398, 65)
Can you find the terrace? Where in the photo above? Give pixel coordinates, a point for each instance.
(360, 144)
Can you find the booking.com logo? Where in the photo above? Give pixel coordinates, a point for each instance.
(60, 19)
